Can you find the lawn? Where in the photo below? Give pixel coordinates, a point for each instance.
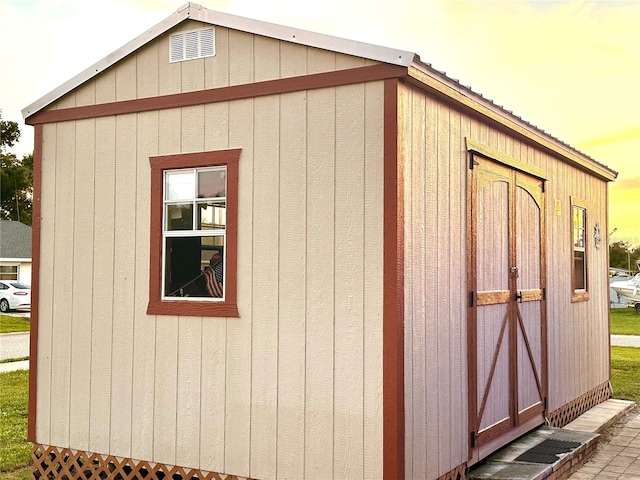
(9, 323)
(625, 370)
(15, 451)
(625, 321)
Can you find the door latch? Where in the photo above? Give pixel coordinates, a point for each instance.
(518, 296)
(514, 271)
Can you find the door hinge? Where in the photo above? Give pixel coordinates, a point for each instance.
(472, 439)
(542, 186)
(544, 403)
(473, 162)
(544, 293)
(472, 297)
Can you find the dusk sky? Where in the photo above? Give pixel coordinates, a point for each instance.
(571, 68)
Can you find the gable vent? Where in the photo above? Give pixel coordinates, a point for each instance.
(191, 44)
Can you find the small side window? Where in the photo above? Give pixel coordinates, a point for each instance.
(579, 250)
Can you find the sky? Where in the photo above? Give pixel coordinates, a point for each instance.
(571, 67)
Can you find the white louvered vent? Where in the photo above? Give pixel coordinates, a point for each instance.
(191, 44)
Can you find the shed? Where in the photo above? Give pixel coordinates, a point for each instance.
(299, 256)
(15, 251)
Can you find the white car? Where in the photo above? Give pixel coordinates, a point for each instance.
(14, 296)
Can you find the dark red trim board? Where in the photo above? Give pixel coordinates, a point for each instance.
(234, 92)
(35, 282)
(393, 304)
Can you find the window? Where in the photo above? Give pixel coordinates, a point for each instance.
(9, 272)
(194, 234)
(579, 250)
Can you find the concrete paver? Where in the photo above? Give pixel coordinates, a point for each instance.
(618, 455)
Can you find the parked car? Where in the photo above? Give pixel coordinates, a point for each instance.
(14, 296)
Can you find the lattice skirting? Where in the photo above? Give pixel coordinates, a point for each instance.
(458, 473)
(62, 463)
(572, 410)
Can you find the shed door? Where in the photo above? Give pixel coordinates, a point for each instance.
(507, 333)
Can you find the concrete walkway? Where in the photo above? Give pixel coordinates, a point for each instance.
(625, 340)
(13, 366)
(618, 454)
(14, 345)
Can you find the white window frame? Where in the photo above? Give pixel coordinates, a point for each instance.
(194, 232)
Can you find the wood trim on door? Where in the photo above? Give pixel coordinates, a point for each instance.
(519, 178)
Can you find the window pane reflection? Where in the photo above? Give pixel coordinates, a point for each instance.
(179, 186)
(212, 183)
(180, 217)
(212, 216)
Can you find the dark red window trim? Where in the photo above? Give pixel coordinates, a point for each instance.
(228, 307)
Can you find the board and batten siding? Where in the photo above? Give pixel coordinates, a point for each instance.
(578, 332)
(432, 148)
(292, 388)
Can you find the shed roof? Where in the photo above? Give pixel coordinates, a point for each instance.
(15, 240)
(423, 72)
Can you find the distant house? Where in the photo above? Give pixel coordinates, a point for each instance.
(265, 253)
(15, 251)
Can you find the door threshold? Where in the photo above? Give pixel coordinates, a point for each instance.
(544, 453)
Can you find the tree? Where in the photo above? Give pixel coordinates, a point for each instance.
(16, 177)
(623, 255)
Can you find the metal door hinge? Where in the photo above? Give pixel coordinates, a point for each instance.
(472, 439)
(472, 297)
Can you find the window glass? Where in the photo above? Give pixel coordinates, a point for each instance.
(212, 183)
(9, 272)
(578, 271)
(179, 185)
(212, 215)
(179, 216)
(579, 266)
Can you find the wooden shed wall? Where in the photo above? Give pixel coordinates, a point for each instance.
(578, 333)
(432, 148)
(292, 388)
(240, 58)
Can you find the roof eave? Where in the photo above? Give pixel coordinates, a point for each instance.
(100, 66)
(454, 90)
(198, 13)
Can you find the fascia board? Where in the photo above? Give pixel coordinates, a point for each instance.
(304, 37)
(100, 66)
(443, 85)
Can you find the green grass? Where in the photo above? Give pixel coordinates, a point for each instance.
(9, 323)
(15, 450)
(625, 373)
(19, 474)
(625, 321)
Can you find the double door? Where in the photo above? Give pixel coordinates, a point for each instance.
(506, 328)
